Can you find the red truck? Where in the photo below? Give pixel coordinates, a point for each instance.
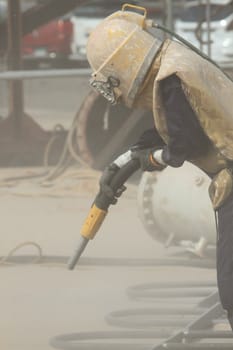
(50, 43)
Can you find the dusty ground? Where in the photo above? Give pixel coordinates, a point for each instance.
(39, 301)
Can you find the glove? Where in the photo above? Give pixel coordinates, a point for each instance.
(146, 159)
(150, 138)
(105, 181)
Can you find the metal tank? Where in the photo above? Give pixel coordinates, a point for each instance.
(175, 208)
(104, 131)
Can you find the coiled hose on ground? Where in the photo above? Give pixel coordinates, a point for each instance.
(174, 304)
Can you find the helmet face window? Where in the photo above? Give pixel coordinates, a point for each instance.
(106, 88)
(120, 47)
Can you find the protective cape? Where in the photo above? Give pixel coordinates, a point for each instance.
(209, 92)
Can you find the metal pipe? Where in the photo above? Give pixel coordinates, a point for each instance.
(215, 334)
(16, 102)
(169, 16)
(199, 32)
(195, 346)
(208, 24)
(53, 73)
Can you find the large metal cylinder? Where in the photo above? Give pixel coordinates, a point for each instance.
(104, 131)
(174, 205)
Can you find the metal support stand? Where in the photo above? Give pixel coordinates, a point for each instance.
(16, 102)
(169, 17)
(22, 140)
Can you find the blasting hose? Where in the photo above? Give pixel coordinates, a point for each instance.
(99, 209)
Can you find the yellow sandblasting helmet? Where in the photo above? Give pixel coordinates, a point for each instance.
(120, 52)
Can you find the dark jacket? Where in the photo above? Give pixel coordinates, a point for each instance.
(186, 137)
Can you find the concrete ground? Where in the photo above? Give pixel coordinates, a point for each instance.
(41, 300)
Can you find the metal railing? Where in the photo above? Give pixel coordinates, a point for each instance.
(38, 74)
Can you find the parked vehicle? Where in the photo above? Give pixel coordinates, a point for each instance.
(50, 43)
(192, 25)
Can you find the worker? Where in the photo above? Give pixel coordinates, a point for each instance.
(192, 104)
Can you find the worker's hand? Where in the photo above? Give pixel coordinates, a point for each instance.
(146, 159)
(105, 181)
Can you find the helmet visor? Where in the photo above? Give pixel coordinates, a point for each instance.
(107, 88)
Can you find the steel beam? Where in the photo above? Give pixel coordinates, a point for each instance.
(16, 101)
(40, 74)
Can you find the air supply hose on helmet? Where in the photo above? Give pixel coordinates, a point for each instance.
(100, 207)
(189, 45)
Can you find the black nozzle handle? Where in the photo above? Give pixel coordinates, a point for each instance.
(123, 174)
(102, 202)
